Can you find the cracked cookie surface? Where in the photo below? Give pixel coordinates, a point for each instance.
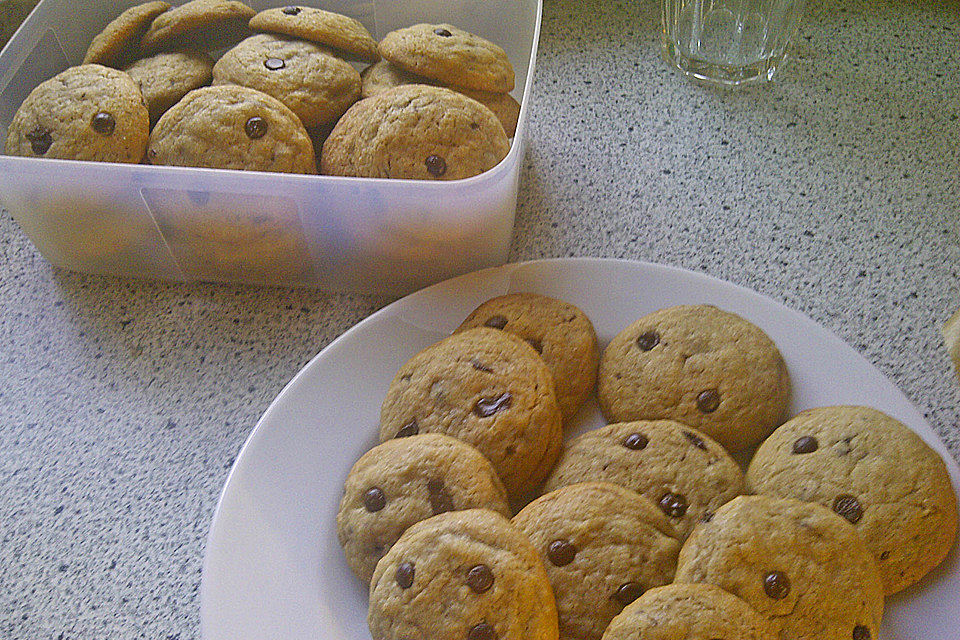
(119, 42)
(199, 25)
(324, 27)
(166, 77)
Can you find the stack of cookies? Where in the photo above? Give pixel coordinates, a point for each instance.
(646, 528)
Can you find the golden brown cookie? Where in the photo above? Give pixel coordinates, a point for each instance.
(166, 77)
(119, 42)
(699, 365)
(415, 132)
(603, 546)
(873, 471)
(90, 112)
(316, 25)
(198, 25)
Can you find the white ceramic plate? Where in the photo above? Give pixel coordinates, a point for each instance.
(273, 567)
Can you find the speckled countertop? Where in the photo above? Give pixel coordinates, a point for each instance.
(834, 190)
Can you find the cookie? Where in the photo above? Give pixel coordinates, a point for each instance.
(469, 575)
(316, 25)
(166, 77)
(90, 112)
(798, 564)
(873, 471)
(451, 55)
(694, 611)
(489, 389)
(699, 365)
(682, 471)
(603, 546)
(198, 25)
(385, 75)
(231, 127)
(402, 482)
(560, 332)
(415, 132)
(314, 83)
(119, 43)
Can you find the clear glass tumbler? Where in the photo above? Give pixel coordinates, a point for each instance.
(729, 42)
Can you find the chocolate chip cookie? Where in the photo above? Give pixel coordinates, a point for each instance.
(314, 83)
(873, 471)
(701, 366)
(603, 546)
(119, 42)
(688, 611)
(798, 564)
(415, 132)
(489, 389)
(232, 127)
(166, 77)
(90, 112)
(560, 332)
(684, 472)
(451, 55)
(198, 25)
(468, 575)
(324, 27)
(404, 481)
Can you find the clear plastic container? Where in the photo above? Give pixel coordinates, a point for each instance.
(185, 224)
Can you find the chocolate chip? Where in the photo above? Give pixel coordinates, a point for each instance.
(374, 500)
(443, 33)
(536, 344)
(486, 407)
(291, 11)
(860, 632)
(480, 578)
(776, 585)
(256, 127)
(708, 401)
(274, 64)
(482, 631)
(409, 429)
(674, 505)
(696, 440)
(884, 555)
(848, 507)
(635, 441)
(440, 499)
(628, 592)
(404, 575)
(103, 123)
(648, 340)
(496, 322)
(436, 166)
(40, 140)
(561, 552)
(805, 444)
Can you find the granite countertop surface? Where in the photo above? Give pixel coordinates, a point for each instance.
(833, 190)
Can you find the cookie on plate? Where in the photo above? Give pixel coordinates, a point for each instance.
(875, 472)
(232, 127)
(198, 25)
(385, 75)
(699, 365)
(451, 55)
(489, 389)
(404, 481)
(603, 546)
(119, 42)
(316, 25)
(694, 611)
(684, 472)
(90, 112)
(166, 77)
(560, 332)
(315, 84)
(415, 132)
(798, 564)
(469, 575)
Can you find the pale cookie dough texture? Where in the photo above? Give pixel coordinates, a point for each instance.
(90, 112)
(875, 472)
(324, 27)
(489, 389)
(699, 365)
(199, 24)
(404, 481)
(684, 472)
(119, 42)
(603, 546)
(166, 77)
(465, 575)
(560, 332)
(798, 564)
